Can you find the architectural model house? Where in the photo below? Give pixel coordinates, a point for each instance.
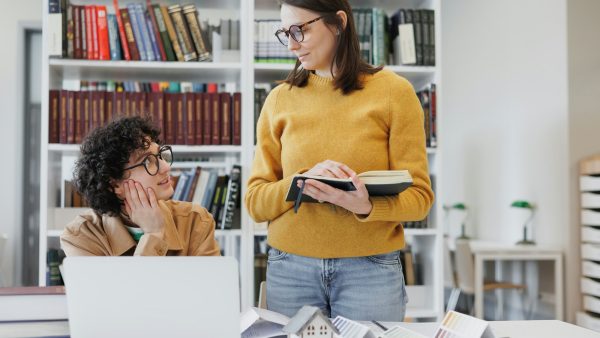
(310, 322)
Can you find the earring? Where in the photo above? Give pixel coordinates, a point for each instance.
(338, 32)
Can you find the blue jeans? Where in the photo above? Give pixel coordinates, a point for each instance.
(358, 288)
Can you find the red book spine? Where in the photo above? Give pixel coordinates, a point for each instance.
(179, 119)
(83, 25)
(190, 131)
(127, 104)
(70, 117)
(94, 33)
(169, 112)
(77, 33)
(216, 118)
(102, 23)
(101, 108)
(87, 109)
(119, 104)
(141, 103)
(160, 109)
(154, 30)
(53, 119)
(225, 118)
(134, 52)
(198, 118)
(237, 119)
(78, 118)
(206, 119)
(88, 32)
(63, 116)
(212, 87)
(110, 107)
(95, 117)
(133, 104)
(122, 36)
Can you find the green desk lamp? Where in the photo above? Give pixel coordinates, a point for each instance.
(522, 204)
(462, 207)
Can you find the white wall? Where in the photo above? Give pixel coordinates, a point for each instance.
(584, 120)
(505, 116)
(12, 123)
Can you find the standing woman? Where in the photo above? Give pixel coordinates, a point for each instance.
(336, 116)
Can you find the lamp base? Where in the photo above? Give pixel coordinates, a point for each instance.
(525, 242)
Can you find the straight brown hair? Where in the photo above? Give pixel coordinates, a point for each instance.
(350, 66)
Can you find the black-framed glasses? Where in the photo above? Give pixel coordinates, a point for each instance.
(151, 162)
(295, 31)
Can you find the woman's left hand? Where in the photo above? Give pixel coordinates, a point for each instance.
(355, 201)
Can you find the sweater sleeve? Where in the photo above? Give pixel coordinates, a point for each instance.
(407, 150)
(267, 188)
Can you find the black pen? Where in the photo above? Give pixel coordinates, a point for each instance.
(299, 198)
(379, 324)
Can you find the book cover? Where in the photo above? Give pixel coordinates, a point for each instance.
(122, 34)
(183, 33)
(129, 35)
(53, 119)
(102, 29)
(113, 37)
(172, 33)
(137, 32)
(378, 183)
(155, 31)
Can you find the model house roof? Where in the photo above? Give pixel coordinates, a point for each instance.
(303, 317)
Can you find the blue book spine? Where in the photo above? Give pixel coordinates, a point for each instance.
(137, 32)
(141, 19)
(188, 184)
(210, 190)
(155, 49)
(113, 37)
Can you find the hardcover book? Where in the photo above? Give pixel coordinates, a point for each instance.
(378, 183)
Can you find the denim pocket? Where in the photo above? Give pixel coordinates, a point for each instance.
(275, 254)
(390, 258)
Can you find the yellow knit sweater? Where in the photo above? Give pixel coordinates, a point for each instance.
(377, 128)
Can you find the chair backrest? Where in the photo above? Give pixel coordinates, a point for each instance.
(262, 295)
(465, 269)
(3, 241)
(449, 280)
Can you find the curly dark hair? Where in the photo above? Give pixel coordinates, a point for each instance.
(104, 154)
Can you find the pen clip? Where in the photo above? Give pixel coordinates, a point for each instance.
(299, 198)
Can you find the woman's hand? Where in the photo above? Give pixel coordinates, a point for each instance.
(355, 201)
(142, 207)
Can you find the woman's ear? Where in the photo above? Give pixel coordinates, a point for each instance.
(343, 18)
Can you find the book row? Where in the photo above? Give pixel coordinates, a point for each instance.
(136, 32)
(385, 40)
(219, 194)
(428, 99)
(184, 118)
(149, 87)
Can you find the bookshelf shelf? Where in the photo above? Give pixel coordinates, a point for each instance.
(144, 70)
(74, 148)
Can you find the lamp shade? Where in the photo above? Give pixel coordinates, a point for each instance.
(522, 204)
(459, 206)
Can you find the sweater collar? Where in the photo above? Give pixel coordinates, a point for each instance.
(319, 80)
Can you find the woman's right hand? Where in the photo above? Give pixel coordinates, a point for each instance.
(329, 168)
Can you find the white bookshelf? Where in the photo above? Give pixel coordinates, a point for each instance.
(238, 67)
(589, 187)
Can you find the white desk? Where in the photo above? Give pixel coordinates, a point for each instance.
(491, 251)
(512, 329)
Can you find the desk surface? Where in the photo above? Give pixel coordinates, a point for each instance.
(478, 246)
(512, 329)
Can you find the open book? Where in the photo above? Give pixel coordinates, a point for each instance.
(377, 182)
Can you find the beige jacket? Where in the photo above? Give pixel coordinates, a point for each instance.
(189, 231)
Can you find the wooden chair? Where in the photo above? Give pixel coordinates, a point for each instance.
(465, 270)
(262, 295)
(3, 241)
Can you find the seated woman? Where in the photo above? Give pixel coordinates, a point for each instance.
(123, 173)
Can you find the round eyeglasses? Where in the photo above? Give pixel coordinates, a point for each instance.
(295, 31)
(151, 162)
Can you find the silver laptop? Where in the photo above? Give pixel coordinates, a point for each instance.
(149, 297)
